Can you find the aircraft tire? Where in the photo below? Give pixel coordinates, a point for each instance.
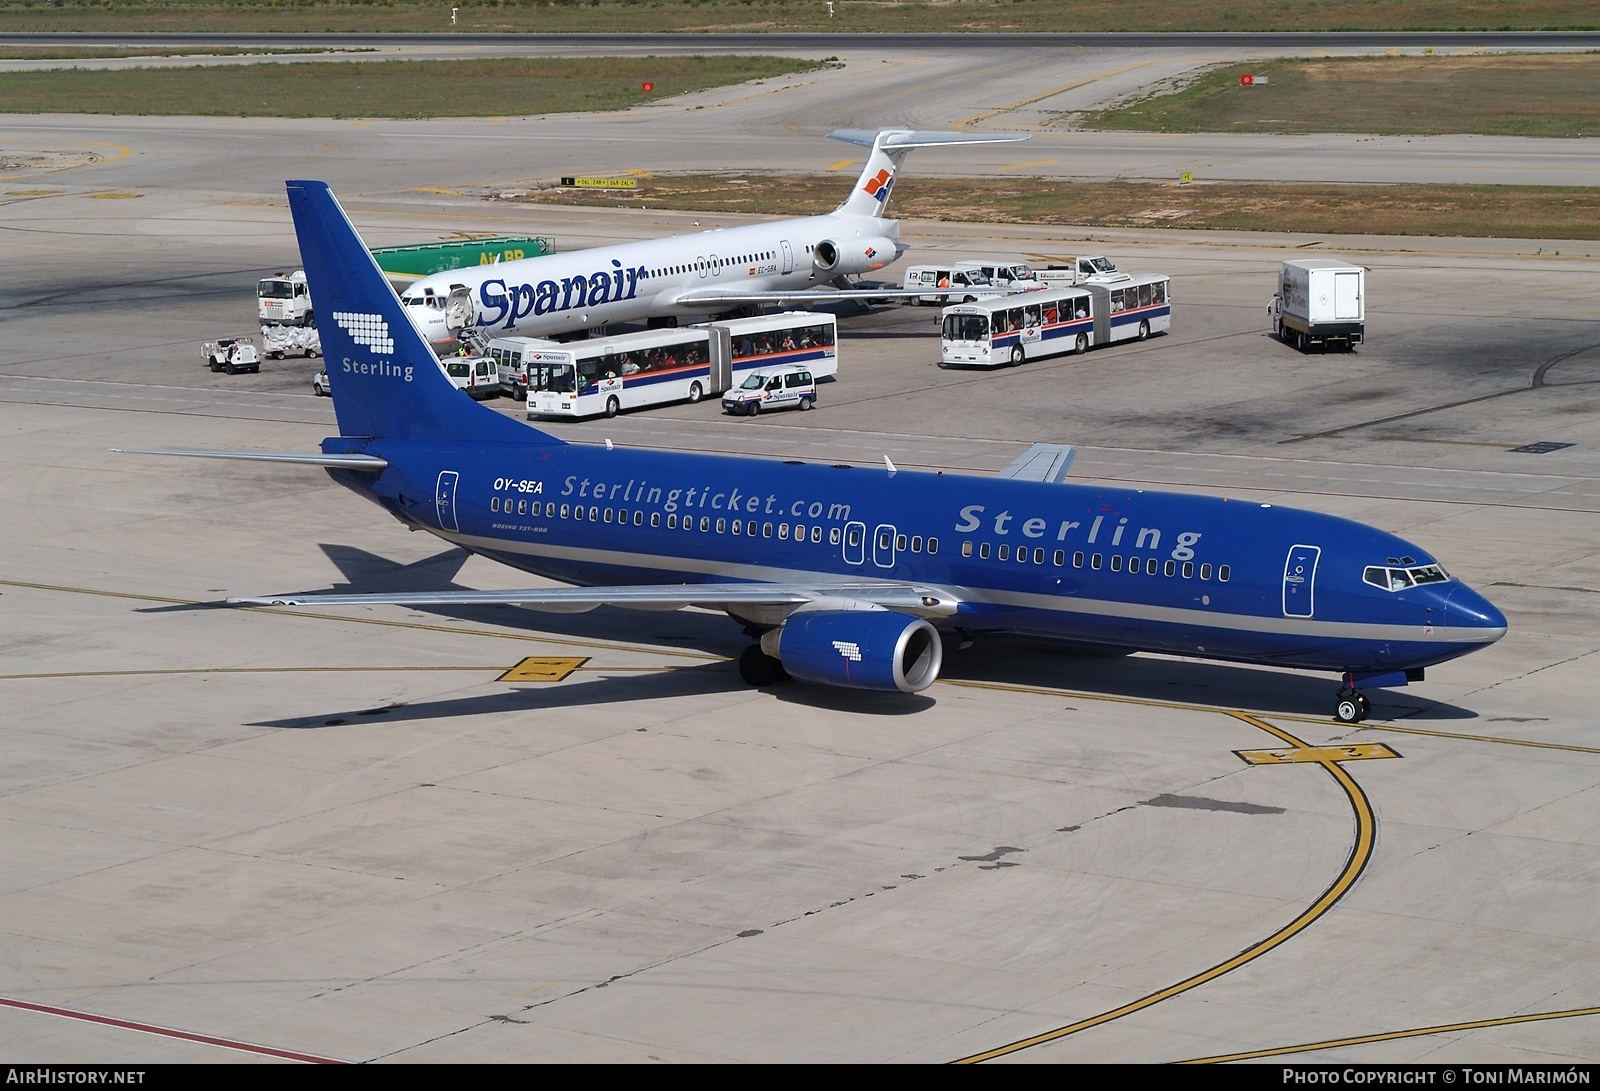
(612, 405)
(1144, 331)
(758, 669)
(1082, 344)
(695, 393)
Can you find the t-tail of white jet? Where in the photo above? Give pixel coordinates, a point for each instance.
(889, 148)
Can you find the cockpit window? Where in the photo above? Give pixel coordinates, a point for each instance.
(1398, 579)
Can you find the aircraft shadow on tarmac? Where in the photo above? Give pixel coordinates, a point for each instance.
(999, 659)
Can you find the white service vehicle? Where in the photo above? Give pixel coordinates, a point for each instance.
(784, 386)
(1084, 270)
(1320, 302)
(479, 376)
(277, 340)
(283, 300)
(231, 354)
(319, 384)
(945, 284)
(1015, 275)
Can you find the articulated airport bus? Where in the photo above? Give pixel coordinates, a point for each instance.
(1033, 325)
(605, 375)
(1014, 328)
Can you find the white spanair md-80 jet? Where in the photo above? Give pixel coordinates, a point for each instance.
(683, 275)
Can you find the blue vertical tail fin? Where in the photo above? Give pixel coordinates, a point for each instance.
(385, 379)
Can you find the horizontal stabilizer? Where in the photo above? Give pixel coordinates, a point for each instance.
(921, 138)
(369, 463)
(1047, 462)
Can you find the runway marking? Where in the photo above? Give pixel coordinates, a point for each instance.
(1356, 752)
(1393, 1035)
(1030, 163)
(1465, 737)
(1360, 854)
(543, 669)
(112, 196)
(842, 164)
(1050, 94)
(157, 672)
(167, 1032)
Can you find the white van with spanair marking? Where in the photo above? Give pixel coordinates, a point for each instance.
(785, 386)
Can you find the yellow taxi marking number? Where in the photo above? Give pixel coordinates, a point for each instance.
(543, 668)
(1353, 752)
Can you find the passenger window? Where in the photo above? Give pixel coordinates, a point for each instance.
(900, 543)
(834, 536)
(522, 507)
(1171, 567)
(916, 543)
(1038, 555)
(577, 513)
(1060, 558)
(983, 551)
(966, 549)
(607, 516)
(816, 534)
(655, 518)
(1222, 573)
(855, 536)
(1116, 562)
(1077, 560)
(638, 518)
(738, 526)
(783, 531)
(766, 530)
(705, 524)
(722, 526)
(1188, 570)
(593, 514)
(1205, 572)
(933, 545)
(566, 511)
(1094, 562)
(1004, 553)
(494, 503)
(672, 522)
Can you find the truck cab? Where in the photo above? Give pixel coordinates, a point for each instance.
(284, 300)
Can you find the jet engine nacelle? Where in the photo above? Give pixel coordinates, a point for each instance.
(837, 257)
(858, 649)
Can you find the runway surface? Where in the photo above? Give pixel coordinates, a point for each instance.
(367, 835)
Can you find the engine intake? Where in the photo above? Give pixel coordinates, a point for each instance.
(825, 256)
(858, 649)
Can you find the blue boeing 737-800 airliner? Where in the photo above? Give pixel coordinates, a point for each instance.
(851, 576)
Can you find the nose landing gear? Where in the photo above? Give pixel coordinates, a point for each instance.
(1351, 706)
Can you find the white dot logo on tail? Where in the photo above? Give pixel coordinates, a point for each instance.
(369, 330)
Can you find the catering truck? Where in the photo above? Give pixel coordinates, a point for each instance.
(1320, 302)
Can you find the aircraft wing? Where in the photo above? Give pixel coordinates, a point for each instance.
(1041, 462)
(709, 296)
(912, 599)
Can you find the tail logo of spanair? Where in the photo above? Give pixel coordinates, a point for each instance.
(879, 185)
(369, 330)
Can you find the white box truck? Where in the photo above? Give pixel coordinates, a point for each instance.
(1320, 302)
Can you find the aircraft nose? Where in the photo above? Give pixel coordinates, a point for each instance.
(1468, 609)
